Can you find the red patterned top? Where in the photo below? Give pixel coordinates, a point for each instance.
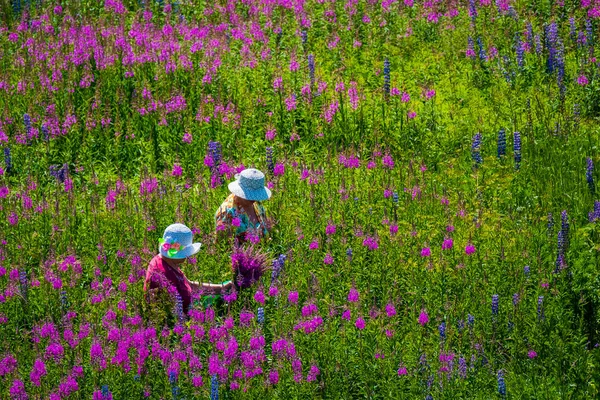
(162, 275)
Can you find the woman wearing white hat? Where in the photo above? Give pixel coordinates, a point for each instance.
(164, 272)
(241, 213)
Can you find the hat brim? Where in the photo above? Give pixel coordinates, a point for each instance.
(181, 254)
(252, 195)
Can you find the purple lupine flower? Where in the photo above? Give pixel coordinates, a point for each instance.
(495, 299)
(476, 149)
(442, 330)
(517, 149)
(501, 384)
(589, 175)
(386, 77)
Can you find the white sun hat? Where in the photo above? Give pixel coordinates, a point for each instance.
(177, 243)
(250, 185)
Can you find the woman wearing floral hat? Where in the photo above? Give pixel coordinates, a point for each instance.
(242, 213)
(164, 269)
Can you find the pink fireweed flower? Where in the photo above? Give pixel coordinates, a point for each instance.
(259, 297)
(582, 80)
(187, 138)
(346, 315)
(447, 244)
(314, 245)
(353, 295)
(402, 371)
(270, 134)
(328, 259)
(273, 291)
(425, 252)
(330, 229)
(360, 323)
(312, 373)
(274, 377)
(293, 297)
(279, 169)
(390, 310)
(388, 161)
(423, 318)
(405, 97)
(411, 114)
(532, 354)
(177, 170)
(469, 249)
(236, 221)
(290, 102)
(393, 229)
(370, 243)
(353, 95)
(278, 83)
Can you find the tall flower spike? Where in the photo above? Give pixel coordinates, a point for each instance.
(501, 143)
(386, 78)
(495, 304)
(589, 175)
(311, 69)
(476, 149)
(8, 159)
(214, 388)
(517, 149)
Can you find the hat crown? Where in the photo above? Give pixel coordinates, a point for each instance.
(252, 179)
(178, 233)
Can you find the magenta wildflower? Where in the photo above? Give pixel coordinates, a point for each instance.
(469, 249)
(353, 295)
(17, 390)
(425, 252)
(346, 315)
(259, 297)
(177, 170)
(270, 134)
(388, 161)
(312, 373)
(371, 243)
(402, 371)
(330, 229)
(293, 297)
(187, 138)
(423, 318)
(390, 310)
(274, 377)
(582, 80)
(532, 354)
(328, 259)
(314, 245)
(447, 244)
(360, 323)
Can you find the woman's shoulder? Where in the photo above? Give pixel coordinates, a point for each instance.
(156, 263)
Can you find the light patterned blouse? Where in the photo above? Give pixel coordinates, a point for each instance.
(232, 217)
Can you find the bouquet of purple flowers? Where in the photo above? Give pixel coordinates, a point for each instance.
(248, 265)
